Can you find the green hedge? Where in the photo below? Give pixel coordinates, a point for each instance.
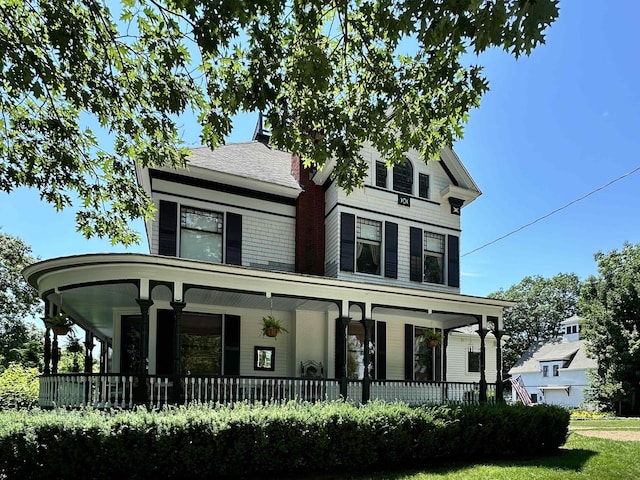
(217, 442)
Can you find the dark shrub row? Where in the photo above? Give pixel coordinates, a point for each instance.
(217, 442)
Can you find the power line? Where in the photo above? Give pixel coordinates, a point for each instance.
(552, 213)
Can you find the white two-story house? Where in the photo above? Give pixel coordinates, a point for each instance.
(247, 231)
(556, 372)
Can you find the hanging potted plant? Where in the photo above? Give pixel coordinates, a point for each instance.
(432, 338)
(271, 326)
(60, 324)
(73, 346)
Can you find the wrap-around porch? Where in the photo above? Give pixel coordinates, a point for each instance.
(169, 302)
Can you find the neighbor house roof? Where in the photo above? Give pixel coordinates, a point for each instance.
(573, 352)
(252, 160)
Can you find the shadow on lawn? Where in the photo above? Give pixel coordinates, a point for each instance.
(570, 460)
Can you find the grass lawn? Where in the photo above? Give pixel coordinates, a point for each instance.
(581, 457)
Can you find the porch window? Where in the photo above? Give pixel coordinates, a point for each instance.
(369, 239)
(423, 368)
(381, 174)
(201, 344)
(433, 257)
(473, 362)
(403, 177)
(355, 352)
(201, 235)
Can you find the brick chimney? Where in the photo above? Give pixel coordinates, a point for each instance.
(309, 221)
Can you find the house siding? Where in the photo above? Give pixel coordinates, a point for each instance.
(268, 228)
(368, 202)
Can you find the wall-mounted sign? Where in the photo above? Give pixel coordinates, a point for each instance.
(404, 200)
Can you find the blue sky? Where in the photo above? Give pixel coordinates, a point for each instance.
(554, 127)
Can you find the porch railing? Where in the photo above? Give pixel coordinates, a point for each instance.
(126, 391)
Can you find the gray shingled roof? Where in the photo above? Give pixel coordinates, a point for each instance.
(252, 160)
(557, 350)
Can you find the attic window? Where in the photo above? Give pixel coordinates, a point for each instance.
(381, 174)
(423, 185)
(403, 177)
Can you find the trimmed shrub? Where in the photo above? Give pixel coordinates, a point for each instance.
(211, 441)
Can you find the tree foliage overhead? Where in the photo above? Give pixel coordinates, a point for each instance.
(329, 76)
(542, 303)
(610, 306)
(19, 302)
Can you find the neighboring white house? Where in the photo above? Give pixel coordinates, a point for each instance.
(556, 372)
(247, 231)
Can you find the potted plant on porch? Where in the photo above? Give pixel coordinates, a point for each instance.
(74, 345)
(432, 338)
(271, 326)
(60, 324)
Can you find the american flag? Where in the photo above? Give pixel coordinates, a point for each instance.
(523, 395)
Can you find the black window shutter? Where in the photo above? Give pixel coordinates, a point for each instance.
(381, 350)
(340, 348)
(347, 241)
(453, 252)
(168, 228)
(415, 253)
(408, 351)
(234, 239)
(391, 250)
(231, 345)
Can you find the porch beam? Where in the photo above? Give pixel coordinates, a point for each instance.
(497, 332)
(178, 307)
(482, 332)
(367, 323)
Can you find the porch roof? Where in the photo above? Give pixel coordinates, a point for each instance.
(90, 287)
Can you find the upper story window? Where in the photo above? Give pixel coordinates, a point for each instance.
(403, 177)
(369, 239)
(433, 257)
(556, 370)
(545, 371)
(381, 174)
(423, 185)
(201, 234)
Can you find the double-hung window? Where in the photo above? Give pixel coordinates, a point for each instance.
(369, 239)
(201, 235)
(433, 257)
(381, 174)
(556, 370)
(423, 185)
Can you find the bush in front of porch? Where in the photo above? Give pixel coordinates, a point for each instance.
(230, 442)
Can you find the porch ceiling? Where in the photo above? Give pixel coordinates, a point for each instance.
(92, 287)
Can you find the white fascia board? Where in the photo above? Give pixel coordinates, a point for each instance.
(322, 175)
(236, 181)
(459, 171)
(47, 274)
(458, 192)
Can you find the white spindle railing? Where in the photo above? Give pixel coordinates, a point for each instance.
(124, 391)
